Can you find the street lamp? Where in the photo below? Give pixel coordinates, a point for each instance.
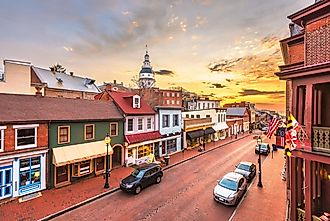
(204, 138)
(107, 141)
(259, 141)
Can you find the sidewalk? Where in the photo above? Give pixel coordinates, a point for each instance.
(267, 203)
(55, 200)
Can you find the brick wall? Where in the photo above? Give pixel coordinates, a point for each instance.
(318, 41)
(42, 139)
(296, 53)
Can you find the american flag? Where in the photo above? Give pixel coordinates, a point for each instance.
(272, 126)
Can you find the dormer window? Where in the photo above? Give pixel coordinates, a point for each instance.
(136, 101)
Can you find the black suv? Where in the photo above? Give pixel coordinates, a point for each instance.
(141, 177)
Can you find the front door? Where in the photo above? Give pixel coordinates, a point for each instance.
(116, 156)
(6, 180)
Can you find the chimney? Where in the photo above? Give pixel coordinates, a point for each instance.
(38, 91)
(71, 73)
(114, 82)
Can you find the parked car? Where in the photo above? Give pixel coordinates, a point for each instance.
(142, 177)
(247, 169)
(264, 148)
(230, 189)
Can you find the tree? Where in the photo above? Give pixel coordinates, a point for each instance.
(57, 68)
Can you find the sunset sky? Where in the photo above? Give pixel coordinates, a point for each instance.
(223, 48)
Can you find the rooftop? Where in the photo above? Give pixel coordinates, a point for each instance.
(65, 81)
(236, 111)
(29, 108)
(124, 100)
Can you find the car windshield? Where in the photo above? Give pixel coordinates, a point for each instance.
(137, 173)
(228, 184)
(244, 167)
(263, 146)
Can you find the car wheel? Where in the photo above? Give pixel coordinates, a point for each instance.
(137, 190)
(158, 179)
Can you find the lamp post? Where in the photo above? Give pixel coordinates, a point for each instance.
(259, 141)
(107, 141)
(204, 138)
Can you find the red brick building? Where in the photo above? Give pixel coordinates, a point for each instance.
(306, 55)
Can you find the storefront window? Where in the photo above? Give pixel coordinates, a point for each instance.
(62, 174)
(130, 152)
(171, 146)
(81, 168)
(144, 151)
(29, 171)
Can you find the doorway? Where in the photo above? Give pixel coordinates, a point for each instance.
(116, 156)
(6, 180)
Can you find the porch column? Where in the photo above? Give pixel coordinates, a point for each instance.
(293, 191)
(308, 115)
(308, 191)
(184, 139)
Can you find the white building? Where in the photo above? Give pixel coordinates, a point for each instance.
(202, 104)
(169, 123)
(218, 117)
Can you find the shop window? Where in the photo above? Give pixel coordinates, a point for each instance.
(113, 129)
(166, 120)
(149, 123)
(144, 151)
(29, 171)
(175, 120)
(171, 146)
(25, 136)
(140, 124)
(89, 131)
(129, 124)
(62, 174)
(82, 168)
(99, 163)
(130, 152)
(63, 134)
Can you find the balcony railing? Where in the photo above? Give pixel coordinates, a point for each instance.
(321, 139)
(301, 215)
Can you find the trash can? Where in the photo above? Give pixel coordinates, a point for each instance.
(167, 160)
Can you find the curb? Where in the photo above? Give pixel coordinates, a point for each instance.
(89, 200)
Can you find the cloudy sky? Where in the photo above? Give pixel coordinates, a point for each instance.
(224, 48)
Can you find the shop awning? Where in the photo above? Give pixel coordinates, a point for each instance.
(141, 137)
(200, 133)
(76, 153)
(220, 126)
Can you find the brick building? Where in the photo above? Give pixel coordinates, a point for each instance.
(306, 54)
(251, 110)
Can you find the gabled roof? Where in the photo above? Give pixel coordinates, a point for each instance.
(65, 81)
(236, 111)
(124, 100)
(27, 108)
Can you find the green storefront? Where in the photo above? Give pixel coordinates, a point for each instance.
(77, 149)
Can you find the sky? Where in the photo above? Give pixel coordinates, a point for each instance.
(226, 49)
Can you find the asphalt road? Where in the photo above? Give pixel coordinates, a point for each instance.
(185, 193)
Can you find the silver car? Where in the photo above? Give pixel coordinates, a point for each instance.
(247, 169)
(230, 189)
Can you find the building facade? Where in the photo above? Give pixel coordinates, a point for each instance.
(306, 54)
(169, 123)
(218, 117)
(239, 112)
(142, 137)
(251, 110)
